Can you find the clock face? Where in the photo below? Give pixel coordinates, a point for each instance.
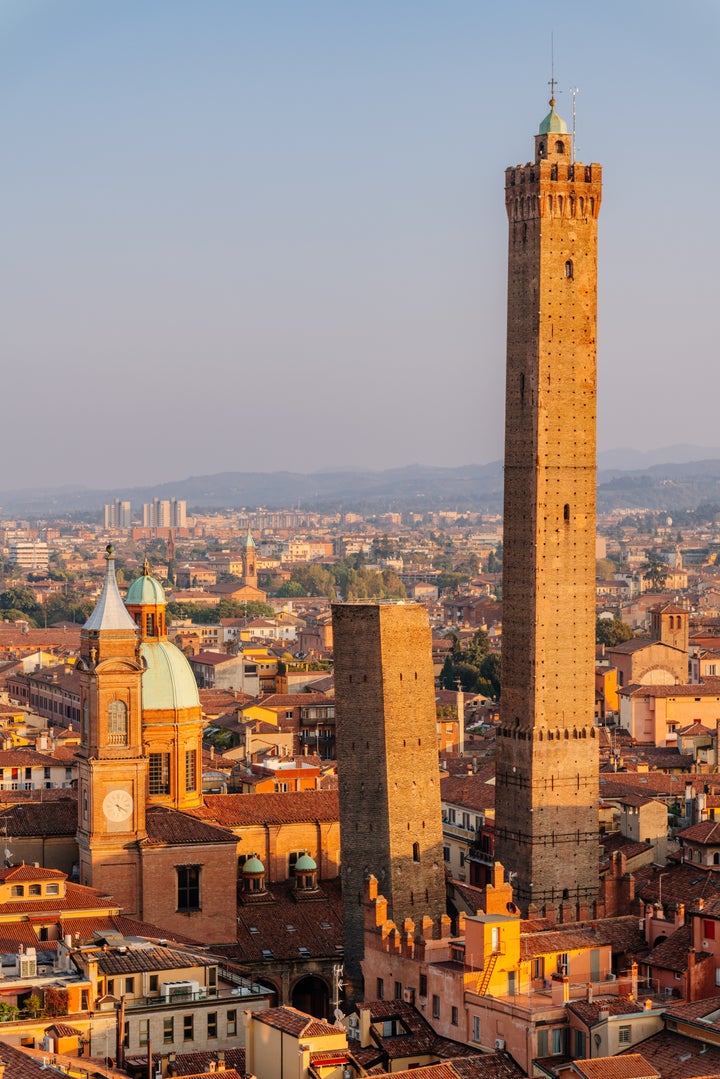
(118, 805)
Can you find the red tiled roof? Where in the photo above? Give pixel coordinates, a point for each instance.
(676, 1057)
(54, 818)
(473, 791)
(294, 1022)
(188, 1064)
(705, 832)
(632, 1066)
(235, 810)
(165, 825)
(18, 873)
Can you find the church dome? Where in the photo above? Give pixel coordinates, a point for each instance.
(146, 590)
(168, 681)
(305, 864)
(253, 865)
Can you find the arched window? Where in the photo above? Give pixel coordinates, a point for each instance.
(149, 625)
(569, 269)
(541, 149)
(117, 723)
(559, 147)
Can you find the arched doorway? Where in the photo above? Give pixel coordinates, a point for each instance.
(311, 995)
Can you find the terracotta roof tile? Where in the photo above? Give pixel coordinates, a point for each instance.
(187, 1064)
(283, 927)
(295, 1022)
(632, 1066)
(165, 825)
(705, 831)
(40, 818)
(589, 1011)
(673, 953)
(676, 1057)
(235, 810)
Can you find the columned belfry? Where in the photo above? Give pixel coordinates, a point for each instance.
(547, 752)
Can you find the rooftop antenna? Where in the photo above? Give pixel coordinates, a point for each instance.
(575, 90)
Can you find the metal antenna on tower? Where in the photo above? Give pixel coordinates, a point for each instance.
(575, 90)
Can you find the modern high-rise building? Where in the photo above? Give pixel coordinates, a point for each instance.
(547, 751)
(165, 513)
(390, 812)
(118, 514)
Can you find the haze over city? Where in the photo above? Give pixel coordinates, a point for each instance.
(273, 236)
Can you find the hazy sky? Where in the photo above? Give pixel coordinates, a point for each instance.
(272, 235)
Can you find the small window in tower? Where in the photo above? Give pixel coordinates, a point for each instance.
(541, 149)
(569, 270)
(559, 147)
(117, 723)
(149, 625)
(190, 770)
(566, 511)
(159, 773)
(416, 852)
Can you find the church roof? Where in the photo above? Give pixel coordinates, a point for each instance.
(168, 681)
(165, 825)
(110, 612)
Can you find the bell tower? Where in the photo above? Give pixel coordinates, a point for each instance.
(547, 753)
(112, 771)
(250, 576)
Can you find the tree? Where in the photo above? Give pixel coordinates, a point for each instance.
(32, 1006)
(489, 681)
(611, 631)
(495, 559)
(655, 571)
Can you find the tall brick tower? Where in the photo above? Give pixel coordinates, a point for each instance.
(112, 767)
(547, 753)
(390, 814)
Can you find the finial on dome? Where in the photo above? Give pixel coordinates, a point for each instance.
(146, 567)
(109, 551)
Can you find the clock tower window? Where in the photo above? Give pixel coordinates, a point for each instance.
(117, 723)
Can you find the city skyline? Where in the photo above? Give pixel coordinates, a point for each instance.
(280, 227)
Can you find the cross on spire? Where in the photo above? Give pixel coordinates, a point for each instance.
(552, 83)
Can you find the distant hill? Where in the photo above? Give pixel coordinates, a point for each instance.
(671, 485)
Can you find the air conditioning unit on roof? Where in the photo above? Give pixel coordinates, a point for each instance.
(499, 1043)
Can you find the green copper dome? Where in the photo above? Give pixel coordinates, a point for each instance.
(305, 864)
(146, 589)
(168, 681)
(553, 124)
(253, 865)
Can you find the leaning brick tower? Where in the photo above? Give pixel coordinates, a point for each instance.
(389, 780)
(547, 752)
